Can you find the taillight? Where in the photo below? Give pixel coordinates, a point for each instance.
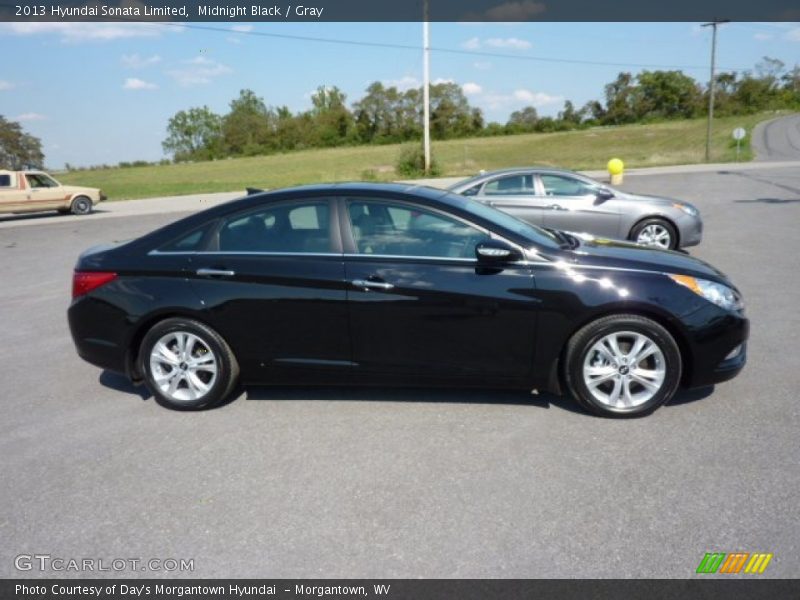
(84, 282)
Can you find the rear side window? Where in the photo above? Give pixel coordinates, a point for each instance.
(296, 227)
(191, 242)
(5, 181)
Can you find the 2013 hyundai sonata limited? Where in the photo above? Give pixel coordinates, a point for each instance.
(400, 285)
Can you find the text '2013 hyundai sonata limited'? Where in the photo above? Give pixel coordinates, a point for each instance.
(395, 285)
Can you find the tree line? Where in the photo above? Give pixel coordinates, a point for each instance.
(385, 114)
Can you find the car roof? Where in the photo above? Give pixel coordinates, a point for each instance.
(485, 176)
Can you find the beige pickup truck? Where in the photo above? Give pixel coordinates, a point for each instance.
(33, 191)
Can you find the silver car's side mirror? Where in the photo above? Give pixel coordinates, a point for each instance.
(604, 194)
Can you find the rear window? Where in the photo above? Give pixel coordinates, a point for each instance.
(5, 180)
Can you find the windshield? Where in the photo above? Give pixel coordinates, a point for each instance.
(506, 221)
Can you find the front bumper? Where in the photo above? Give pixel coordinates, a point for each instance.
(719, 351)
(690, 231)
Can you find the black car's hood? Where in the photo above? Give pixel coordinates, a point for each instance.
(627, 255)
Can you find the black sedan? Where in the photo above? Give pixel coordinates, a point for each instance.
(401, 285)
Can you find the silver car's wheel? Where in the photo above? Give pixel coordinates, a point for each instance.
(624, 369)
(183, 366)
(655, 234)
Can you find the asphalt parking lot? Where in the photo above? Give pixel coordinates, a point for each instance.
(406, 483)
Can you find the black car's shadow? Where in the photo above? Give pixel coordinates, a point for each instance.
(120, 383)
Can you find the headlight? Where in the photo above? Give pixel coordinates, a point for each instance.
(687, 208)
(719, 294)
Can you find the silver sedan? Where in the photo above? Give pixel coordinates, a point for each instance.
(569, 201)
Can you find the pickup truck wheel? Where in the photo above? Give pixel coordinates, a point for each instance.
(81, 206)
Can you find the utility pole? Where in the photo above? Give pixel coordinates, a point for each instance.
(712, 83)
(426, 89)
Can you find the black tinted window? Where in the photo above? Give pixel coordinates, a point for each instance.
(386, 228)
(294, 227)
(5, 180)
(191, 242)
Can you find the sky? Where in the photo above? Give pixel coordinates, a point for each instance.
(101, 93)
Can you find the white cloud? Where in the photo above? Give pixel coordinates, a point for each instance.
(471, 89)
(134, 61)
(74, 32)
(517, 99)
(132, 83)
(475, 43)
(472, 43)
(242, 28)
(440, 80)
(404, 83)
(198, 71)
(6, 85)
(482, 65)
(512, 42)
(30, 116)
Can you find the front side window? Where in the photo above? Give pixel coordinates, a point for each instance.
(557, 185)
(513, 185)
(38, 180)
(295, 227)
(390, 229)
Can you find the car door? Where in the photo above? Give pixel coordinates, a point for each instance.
(272, 279)
(573, 205)
(421, 307)
(45, 192)
(516, 195)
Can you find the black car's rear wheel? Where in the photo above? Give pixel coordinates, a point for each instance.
(187, 365)
(622, 366)
(655, 232)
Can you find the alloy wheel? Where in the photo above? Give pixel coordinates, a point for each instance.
(624, 369)
(655, 235)
(183, 366)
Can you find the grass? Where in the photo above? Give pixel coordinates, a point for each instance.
(668, 143)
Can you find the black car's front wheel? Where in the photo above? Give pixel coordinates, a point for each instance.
(187, 365)
(622, 366)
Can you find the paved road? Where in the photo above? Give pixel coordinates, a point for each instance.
(409, 483)
(778, 140)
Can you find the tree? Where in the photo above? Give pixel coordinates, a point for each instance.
(620, 100)
(570, 116)
(450, 112)
(523, 120)
(249, 128)
(333, 121)
(667, 94)
(18, 149)
(194, 134)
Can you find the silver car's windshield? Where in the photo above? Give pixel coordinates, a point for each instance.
(506, 221)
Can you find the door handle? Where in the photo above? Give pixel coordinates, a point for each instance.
(215, 273)
(556, 207)
(367, 284)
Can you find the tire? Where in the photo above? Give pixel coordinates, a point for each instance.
(611, 384)
(81, 206)
(181, 382)
(655, 232)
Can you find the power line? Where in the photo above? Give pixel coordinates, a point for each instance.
(456, 51)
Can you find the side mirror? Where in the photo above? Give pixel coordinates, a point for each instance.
(604, 194)
(496, 251)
